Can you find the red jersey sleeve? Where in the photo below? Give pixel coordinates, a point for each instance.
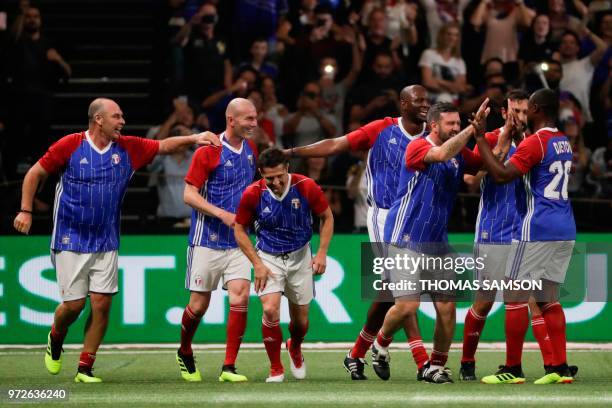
(58, 154)
(141, 150)
(528, 153)
(415, 153)
(314, 195)
(491, 138)
(473, 163)
(204, 161)
(364, 137)
(248, 204)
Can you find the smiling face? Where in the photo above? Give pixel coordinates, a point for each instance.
(276, 178)
(243, 120)
(447, 126)
(415, 104)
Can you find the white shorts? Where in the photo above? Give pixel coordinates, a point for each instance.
(292, 275)
(494, 257)
(80, 273)
(376, 225)
(539, 260)
(206, 266)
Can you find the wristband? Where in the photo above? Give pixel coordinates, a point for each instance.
(24, 211)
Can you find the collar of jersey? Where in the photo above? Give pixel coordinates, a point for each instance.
(405, 132)
(281, 198)
(229, 146)
(93, 145)
(548, 129)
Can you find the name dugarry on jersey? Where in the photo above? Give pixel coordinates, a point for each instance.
(386, 140)
(220, 174)
(282, 224)
(501, 205)
(425, 196)
(545, 160)
(88, 196)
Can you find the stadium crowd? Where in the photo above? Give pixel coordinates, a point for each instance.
(317, 69)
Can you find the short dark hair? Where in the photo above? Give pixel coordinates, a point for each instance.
(271, 157)
(515, 95)
(548, 101)
(573, 34)
(438, 108)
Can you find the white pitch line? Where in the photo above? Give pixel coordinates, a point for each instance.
(277, 397)
(400, 345)
(220, 351)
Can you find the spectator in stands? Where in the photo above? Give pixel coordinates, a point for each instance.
(377, 42)
(357, 190)
(258, 61)
(377, 97)
(578, 73)
(309, 123)
(297, 22)
(207, 61)
(400, 19)
(536, 45)
(580, 162)
(33, 68)
(495, 89)
(264, 135)
(320, 42)
(441, 12)
(442, 68)
(255, 19)
(333, 92)
(171, 170)
(601, 170)
(274, 110)
(216, 103)
(604, 31)
(501, 19)
(182, 115)
(561, 20)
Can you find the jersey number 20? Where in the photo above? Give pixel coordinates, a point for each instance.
(561, 170)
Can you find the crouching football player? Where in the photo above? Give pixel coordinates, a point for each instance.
(281, 205)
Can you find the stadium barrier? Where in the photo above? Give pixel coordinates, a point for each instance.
(150, 303)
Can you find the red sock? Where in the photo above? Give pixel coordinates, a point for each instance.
(189, 325)
(58, 336)
(273, 338)
(363, 343)
(438, 358)
(236, 325)
(419, 354)
(382, 339)
(538, 327)
(86, 360)
(472, 330)
(555, 325)
(517, 322)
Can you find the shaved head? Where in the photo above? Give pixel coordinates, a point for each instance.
(414, 104)
(410, 90)
(238, 106)
(98, 106)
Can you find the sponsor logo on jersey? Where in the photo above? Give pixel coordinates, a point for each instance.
(115, 159)
(84, 161)
(198, 280)
(250, 157)
(213, 237)
(393, 141)
(266, 210)
(295, 203)
(228, 163)
(66, 239)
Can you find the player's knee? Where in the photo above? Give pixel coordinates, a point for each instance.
(407, 309)
(240, 296)
(74, 306)
(446, 309)
(198, 303)
(482, 308)
(101, 305)
(271, 312)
